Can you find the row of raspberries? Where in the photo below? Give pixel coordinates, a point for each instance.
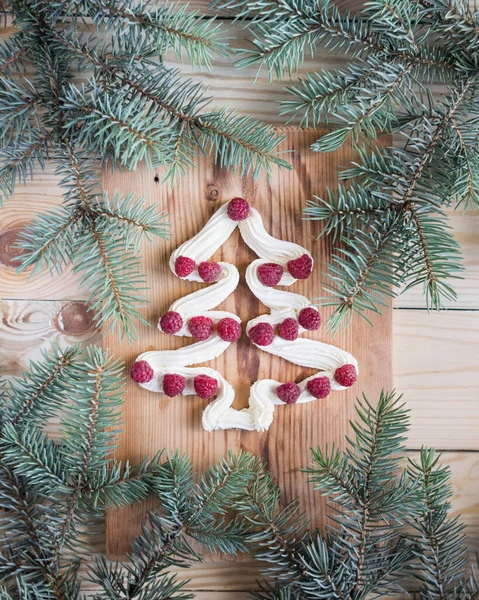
(229, 329)
(174, 384)
(208, 271)
(319, 387)
(206, 386)
(263, 333)
(201, 327)
(269, 274)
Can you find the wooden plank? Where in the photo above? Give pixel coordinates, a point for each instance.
(153, 422)
(30, 199)
(29, 327)
(436, 366)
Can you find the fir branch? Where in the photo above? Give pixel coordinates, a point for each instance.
(130, 109)
(440, 539)
(34, 396)
(362, 274)
(316, 95)
(18, 159)
(117, 304)
(187, 511)
(48, 241)
(163, 27)
(136, 220)
(16, 499)
(50, 493)
(121, 131)
(400, 49)
(234, 139)
(122, 484)
(278, 533)
(369, 117)
(12, 51)
(98, 236)
(283, 49)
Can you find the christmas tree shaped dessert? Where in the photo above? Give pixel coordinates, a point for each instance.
(280, 263)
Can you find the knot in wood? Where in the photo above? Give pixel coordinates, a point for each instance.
(212, 193)
(9, 252)
(75, 318)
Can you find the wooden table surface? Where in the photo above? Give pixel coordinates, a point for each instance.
(434, 354)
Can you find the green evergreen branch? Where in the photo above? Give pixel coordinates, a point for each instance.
(49, 240)
(316, 95)
(26, 399)
(11, 52)
(365, 123)
(136, 220)
(14, 493)
(121, 131)
(131, 109)
(165, 26)
(388, 525)
(119, 485)
(39, 460)
(362, 274)
(234, 139)
(117, 304)
(98, 236)
(18, 160)
(440, 538)
(283, 49)
(404, 47)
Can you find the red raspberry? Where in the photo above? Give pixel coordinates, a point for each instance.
(205, 386)
(300, 268)
(200, 327)
(171, 322)
(261, 334)
(319, 387)
(346, 375)
(229, 329)
(238, 209)
(270, 274)
(288, 329)
(141, 372)
(184, 266)
(288, 392)
(173, 384)
(209, 271)
(309, 318)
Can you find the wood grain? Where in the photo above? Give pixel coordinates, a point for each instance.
(28, 328)
(152, 421)
(436, 366)
(37, 196)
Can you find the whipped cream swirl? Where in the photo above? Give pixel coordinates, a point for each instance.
(324, 358)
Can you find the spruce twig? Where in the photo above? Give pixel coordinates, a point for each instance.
(132, 108)
(397, 51)
(388, 525)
